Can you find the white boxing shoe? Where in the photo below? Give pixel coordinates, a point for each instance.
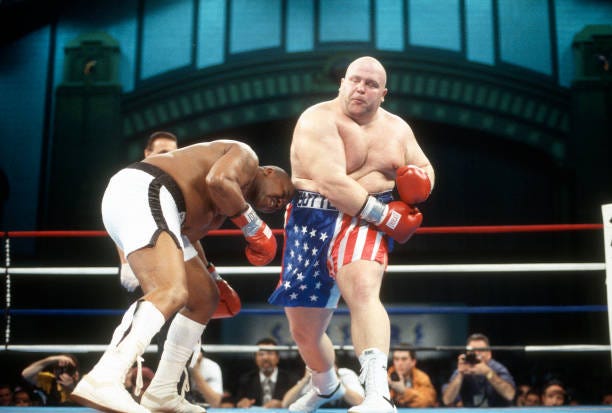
(107, 396)
(172, 403)
(374, 404)
(312, 400)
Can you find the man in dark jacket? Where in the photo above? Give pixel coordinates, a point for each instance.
(266, 385)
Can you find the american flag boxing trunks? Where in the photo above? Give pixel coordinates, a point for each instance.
(319, 240)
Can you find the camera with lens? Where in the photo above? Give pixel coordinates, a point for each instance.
(65, 369)
(471, 358)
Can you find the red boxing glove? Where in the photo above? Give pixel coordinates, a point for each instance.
(262, 244)
(413, 184)
(229, 300)
(396, 219)
(400, 221)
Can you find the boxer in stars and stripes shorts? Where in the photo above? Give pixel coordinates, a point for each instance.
(319, 240)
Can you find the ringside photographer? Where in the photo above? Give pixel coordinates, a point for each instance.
(56, 376)
(479, 380)
(409, 386)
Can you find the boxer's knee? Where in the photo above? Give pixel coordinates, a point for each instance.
(178, 295)
(304, 336)
(206, 298)
(299, 335)
(212, 296)
(308, 325)
(170, 298)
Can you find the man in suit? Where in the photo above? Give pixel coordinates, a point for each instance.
(266, 385)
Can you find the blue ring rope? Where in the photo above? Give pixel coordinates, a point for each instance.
(392, 310)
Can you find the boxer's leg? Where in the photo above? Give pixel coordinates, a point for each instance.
(162, 270)
(308, 327)
(161, 395)
(360, 283)
(102, 388)
(184, 335)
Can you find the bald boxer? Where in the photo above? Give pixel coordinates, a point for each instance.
(155, 210)
(347, 155)
(163, 142)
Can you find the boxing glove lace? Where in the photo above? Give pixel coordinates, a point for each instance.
(261, 248)
(413, 184)
(396, 219)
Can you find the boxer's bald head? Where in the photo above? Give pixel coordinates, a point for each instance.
(370, 65)
(363, 90)
(273, 189)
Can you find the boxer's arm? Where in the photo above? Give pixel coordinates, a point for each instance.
(229, 300)
(234, 170)
(210, 395)
(415, 156)
(318, 155)
(200, 250)
(207, 264)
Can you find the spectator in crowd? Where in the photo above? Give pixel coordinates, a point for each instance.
(554, 393)
(409, 386)
(227, 401)
(479, 380)
(532, 398)
(606, 399)
(353, 395)
(206, 382)
(521, 393)
(22, 398)
(55, 375)
(265, 386)
(132, 384)
(6, 394)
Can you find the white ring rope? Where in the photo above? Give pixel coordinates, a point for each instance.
(425, 268)
(275, 270)
(234, 348)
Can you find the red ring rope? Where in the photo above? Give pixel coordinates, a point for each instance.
(476, 229)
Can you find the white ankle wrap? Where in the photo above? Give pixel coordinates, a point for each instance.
(326, 381)
(182, 337)
(374, 372)
(185, 331)
(130, 339)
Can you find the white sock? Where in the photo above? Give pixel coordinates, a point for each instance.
(374, 368)
(141, 322)
(325, 382)
(183, 335)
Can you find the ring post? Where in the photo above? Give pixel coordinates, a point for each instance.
(7, 277)
(606, 211)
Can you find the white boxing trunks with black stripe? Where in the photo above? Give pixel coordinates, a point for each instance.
(140, 202)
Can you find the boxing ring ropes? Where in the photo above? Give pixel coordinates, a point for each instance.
(10, 271)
